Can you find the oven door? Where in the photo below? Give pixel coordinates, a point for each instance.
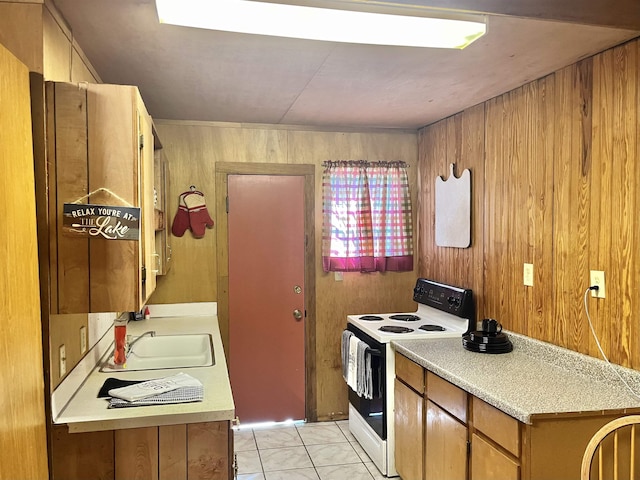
(373, 411)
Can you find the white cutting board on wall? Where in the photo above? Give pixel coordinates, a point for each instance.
(453, 210)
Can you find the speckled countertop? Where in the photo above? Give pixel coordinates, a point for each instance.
(535, 380)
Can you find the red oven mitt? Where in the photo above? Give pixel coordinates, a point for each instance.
(198, 215)
(181, 220)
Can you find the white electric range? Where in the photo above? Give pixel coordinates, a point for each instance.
(443, 311)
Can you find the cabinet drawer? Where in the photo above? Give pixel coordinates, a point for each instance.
(497, 425)
(410, 373)
(448, 396)
(488, 463)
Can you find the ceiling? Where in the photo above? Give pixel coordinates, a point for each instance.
(191, 74)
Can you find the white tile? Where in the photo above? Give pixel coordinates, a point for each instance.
(278, 437)
(321, 433)
(249, 462)
(243, 440)
(344, 428)
(274, 459)
(373, 470)
(360, 451)
(251, 476)
(344, 472)
(295, 474)
(333, 454)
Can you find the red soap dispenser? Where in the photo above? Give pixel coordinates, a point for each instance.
(120, 333)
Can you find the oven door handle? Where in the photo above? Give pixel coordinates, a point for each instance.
(374, 352)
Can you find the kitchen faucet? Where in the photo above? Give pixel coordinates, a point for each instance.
(151, 333)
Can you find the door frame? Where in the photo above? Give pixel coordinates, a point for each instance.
(223, 170)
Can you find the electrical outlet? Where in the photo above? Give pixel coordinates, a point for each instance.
(528, 274)
(597, 278)
(83, 339)
(338, 276)
(63, 360)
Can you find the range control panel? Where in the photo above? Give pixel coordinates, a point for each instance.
(454, 300)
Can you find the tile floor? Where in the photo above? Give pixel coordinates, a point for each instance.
(320, 451)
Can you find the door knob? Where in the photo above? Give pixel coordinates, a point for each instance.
(297, 314)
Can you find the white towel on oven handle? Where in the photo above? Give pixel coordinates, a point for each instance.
(356, 369)
(365, 373)
(352, 373)
(346, 335)
(361, 369)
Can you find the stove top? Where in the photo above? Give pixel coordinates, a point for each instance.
(428, 323)
(443, 311)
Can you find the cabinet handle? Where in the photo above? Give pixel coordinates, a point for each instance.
(157, 255)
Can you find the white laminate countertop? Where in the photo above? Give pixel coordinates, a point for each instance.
(86, 413)
(535, 380)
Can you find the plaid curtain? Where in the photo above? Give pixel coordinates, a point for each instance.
(366, 217)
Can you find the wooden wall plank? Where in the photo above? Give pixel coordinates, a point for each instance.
(208, 452)
(136, 453)
(172, 448)
(624, 200)
(572, 202)
(21, 32)
(601, 194)
(56, 50)
(68, 133)
(543, 138)
(23, 437)
(93, 455)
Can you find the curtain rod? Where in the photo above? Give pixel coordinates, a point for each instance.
(364, 163)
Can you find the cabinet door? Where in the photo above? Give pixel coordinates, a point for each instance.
(409, 442)
(446, 446)
(489, 463)
(163, 221)
(148, 233)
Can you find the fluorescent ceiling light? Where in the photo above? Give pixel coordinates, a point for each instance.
(311, 23)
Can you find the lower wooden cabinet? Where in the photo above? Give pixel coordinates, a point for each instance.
(445, 455)
(409, 443)
(489, 463)
(202, 451)
(464, 438)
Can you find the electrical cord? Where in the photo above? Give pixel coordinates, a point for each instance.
(595, 337)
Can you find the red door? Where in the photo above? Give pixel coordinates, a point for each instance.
(266, 296)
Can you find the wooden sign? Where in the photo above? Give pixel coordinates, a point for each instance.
(453, 210)
(101, 221)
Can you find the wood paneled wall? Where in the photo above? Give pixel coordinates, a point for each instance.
(193, 150)
(556, 182)
(36, 33)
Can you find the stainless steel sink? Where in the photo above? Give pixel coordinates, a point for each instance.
(164, 352)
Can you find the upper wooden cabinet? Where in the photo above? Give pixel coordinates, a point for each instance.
(99, 151)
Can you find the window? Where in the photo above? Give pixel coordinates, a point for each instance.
(367, 223)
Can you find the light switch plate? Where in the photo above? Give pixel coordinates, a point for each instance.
(338, 276)
(597, 278)
(63, 360)
(528, 274)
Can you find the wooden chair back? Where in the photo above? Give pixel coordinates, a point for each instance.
(613, 453)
